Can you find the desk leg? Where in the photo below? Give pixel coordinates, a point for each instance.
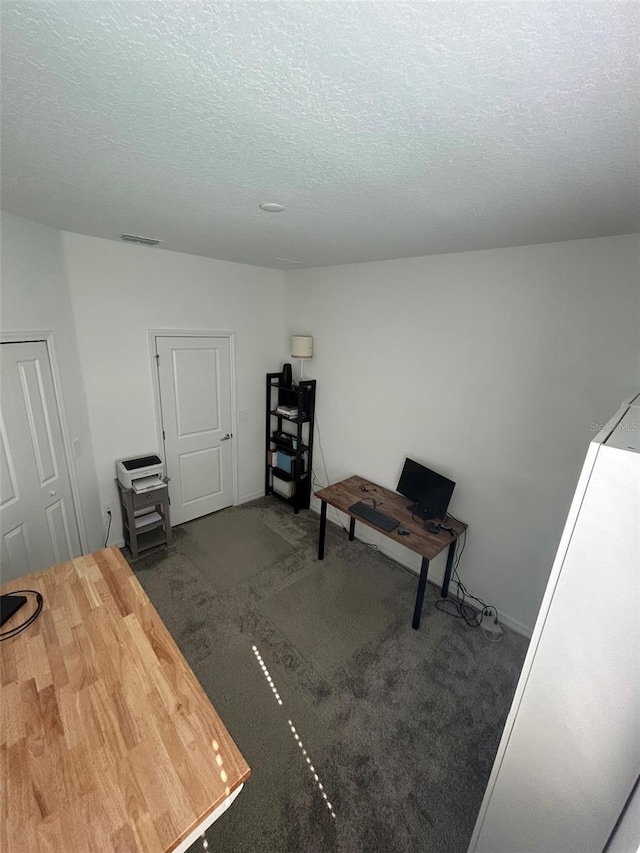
(447, 574)
(323, 529)
(352, 529)
(167, 520)
(422, 583)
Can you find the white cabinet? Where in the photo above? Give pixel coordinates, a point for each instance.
(570, 751)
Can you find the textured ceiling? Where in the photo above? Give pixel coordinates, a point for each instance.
(387, 129)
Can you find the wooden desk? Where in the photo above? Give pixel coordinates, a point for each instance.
(344, 494)
(107, 740)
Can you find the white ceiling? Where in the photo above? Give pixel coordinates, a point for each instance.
(387, 129)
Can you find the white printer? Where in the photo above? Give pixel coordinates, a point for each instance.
(140, 473)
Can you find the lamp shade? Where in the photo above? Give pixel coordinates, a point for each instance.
(301, 346)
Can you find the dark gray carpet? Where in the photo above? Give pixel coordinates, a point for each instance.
(401, 726)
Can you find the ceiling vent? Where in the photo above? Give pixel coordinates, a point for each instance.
(144, 241)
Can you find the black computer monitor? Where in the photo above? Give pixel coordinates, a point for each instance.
(431, 492)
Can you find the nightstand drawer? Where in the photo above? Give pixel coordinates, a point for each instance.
(154, 496)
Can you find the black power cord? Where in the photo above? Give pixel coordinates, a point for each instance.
(364, 488)
(106, 538)
(461, 609)
(6, 635)
(374, 501)
(314, 474)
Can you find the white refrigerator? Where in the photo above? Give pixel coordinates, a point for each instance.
(564, 778)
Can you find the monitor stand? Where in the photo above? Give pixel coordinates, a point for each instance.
(423, 515)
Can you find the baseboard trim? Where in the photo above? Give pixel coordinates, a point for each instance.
(247, 498)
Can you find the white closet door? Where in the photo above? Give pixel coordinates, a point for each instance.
(37, 518)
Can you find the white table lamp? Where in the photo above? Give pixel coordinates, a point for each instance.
(301, 347)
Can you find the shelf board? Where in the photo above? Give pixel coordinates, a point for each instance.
(283, 445)
(282, 475)
(151, 538)
(145, 528)
(295, 389)
(303, 420)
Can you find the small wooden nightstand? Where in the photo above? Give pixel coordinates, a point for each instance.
(156, 530)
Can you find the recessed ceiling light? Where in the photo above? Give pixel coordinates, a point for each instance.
(271, 207)
(137, 238)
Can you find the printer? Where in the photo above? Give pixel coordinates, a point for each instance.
(140, 473)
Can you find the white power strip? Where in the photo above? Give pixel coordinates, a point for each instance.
(491, 627)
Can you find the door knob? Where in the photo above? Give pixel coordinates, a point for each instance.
(52, 492)
(227, 436)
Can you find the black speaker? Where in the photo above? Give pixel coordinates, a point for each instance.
(287, 375)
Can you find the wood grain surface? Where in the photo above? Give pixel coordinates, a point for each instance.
(345, 493)
(107, 740)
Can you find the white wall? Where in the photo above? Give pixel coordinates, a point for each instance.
(121, 291)
(35, 298)
(491, 367)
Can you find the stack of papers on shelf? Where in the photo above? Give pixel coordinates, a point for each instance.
(145, 484)
(147, 518)
(288, 411)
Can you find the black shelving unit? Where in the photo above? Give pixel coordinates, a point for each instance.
(291, 440)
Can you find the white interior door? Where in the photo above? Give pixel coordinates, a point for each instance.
(195, 399)
(37, 517)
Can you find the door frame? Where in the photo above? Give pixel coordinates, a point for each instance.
(48, 338)
(154, 334)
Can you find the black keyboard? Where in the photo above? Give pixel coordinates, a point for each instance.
(368, 513)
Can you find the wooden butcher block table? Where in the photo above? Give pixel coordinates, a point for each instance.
(107, 740)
